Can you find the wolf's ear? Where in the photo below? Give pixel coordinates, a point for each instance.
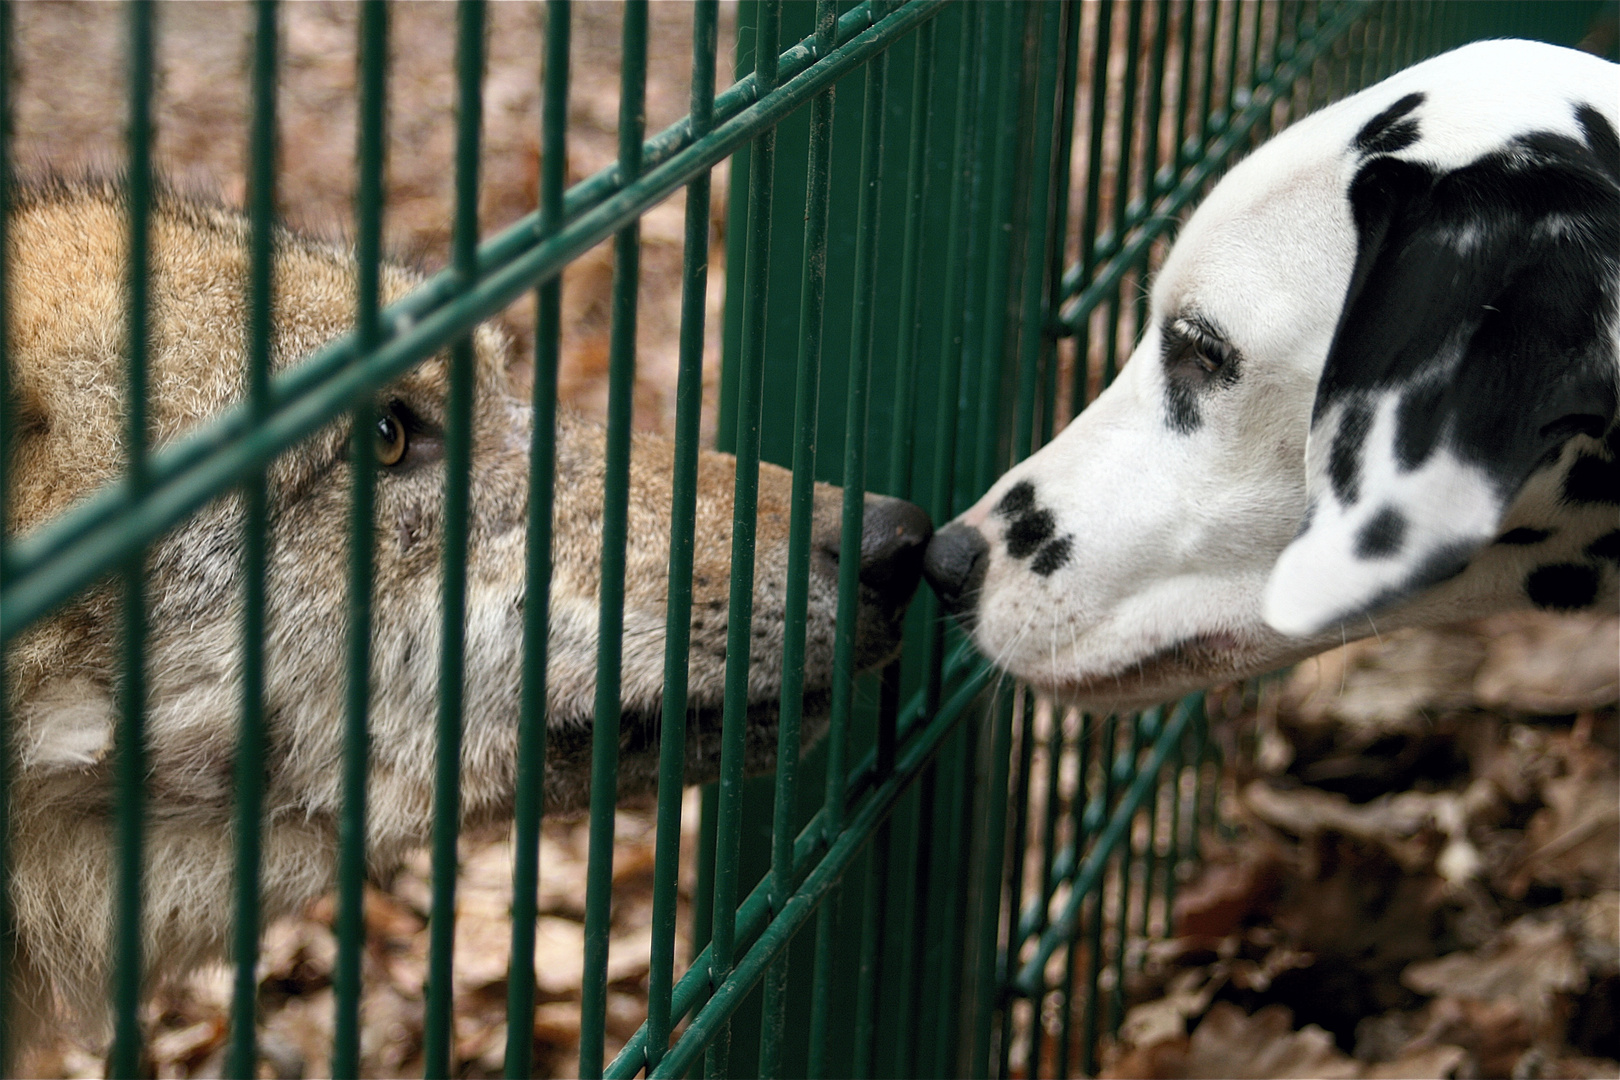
(1477, 336)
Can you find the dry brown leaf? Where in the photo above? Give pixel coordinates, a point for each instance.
(1218, 901)
(1540, 663)
(1164, 1020)
(1430, 1063)
(1262, 1047)
(1574, 841)
(1391, 821)
(1384, 685)
(1530, 962)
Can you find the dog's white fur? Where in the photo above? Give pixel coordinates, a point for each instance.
(1185, 568)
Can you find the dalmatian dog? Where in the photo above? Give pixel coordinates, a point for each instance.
(1379, 389)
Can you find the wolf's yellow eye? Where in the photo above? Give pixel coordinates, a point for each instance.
(392, 440)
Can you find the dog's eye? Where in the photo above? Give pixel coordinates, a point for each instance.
(1209, 357)
(392, 439)
(1191, 342)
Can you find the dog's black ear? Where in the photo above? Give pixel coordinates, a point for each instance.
(1478, 336)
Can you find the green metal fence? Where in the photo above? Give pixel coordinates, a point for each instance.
(943, 217)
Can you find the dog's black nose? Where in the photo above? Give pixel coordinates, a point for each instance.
(954, 565)
(894, 534)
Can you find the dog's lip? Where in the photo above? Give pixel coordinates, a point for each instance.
(1208, 657)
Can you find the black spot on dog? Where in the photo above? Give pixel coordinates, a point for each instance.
(1417, 424)
(1020, 498)
(1390, 130)
(1029, 531)
(1601, 137)
(1562, 586)
(1523, 537)
(1344, 460)
(1181, 407)
(1382, 536)
(1592, 480)
(1440, 565)
(1053, 556)
(1606, 546)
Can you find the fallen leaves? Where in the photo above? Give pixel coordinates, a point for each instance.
(1425, 881)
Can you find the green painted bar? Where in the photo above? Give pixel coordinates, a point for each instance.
(1085, 738)
(615, 517)
(1101, 855)
(531, 763)
(1101, 53)
(739, 625)
(351, 927)
(1013, 874)
(915, 846)
(1125, 774)
(917, 191)
(689, 402)
(1152, 117)
(125, 1057)
(1009, 175)
(807, 401)
(252, 745)
(862, 314)
(437, 1033)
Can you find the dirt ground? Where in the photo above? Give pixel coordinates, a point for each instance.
(1419, 872)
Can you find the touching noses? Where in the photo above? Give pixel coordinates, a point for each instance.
(894, 534)
(954, 565)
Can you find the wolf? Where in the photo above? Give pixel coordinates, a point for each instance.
(68, 245)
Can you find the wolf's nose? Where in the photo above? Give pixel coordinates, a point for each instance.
(955, 565)
(893, 535)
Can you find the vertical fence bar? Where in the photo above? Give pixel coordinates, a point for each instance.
(1125, 771)
(1094, 936)
(125, 1060)
(1017, 852)
(251, 748)
(531, 763)
(1079, 826)
(862, 313)
(351, 928)
(917, 854)
(615, 523)
(683, 517)
(1122, 178)
(1101, 52)
(740, 614)
(806, 406)
(6, 932)
(437, 1036)
(371, 149)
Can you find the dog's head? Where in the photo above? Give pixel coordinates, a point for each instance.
(1375, 390)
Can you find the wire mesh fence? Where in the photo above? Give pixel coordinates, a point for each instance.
(942, 218)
